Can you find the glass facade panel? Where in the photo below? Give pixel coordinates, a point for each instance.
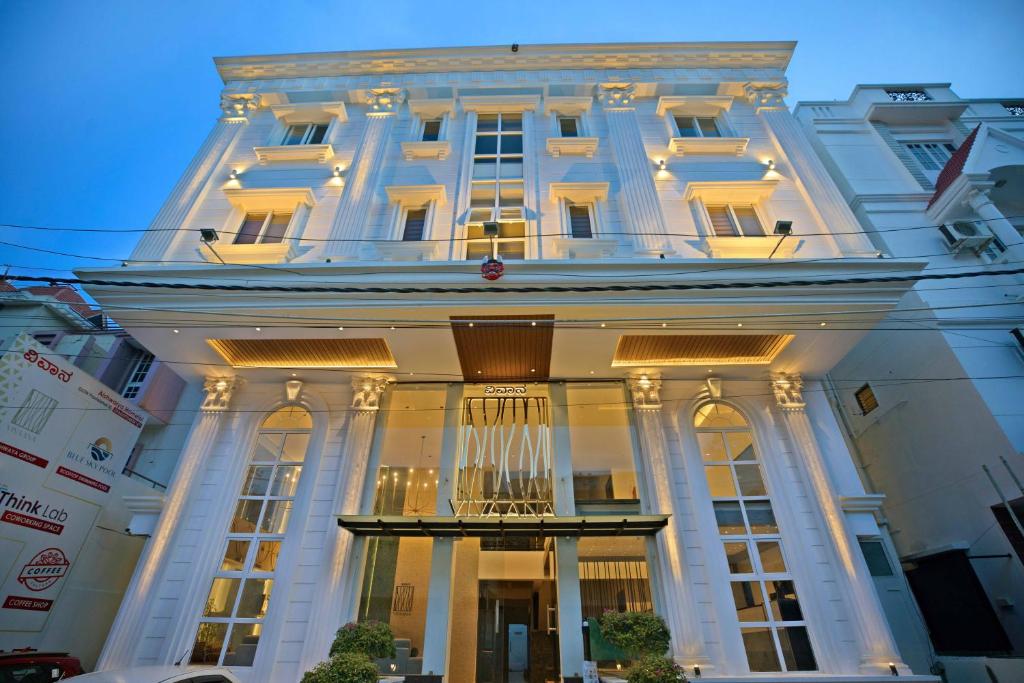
(601, 443)
(241, 650)
(739, 558)
(760, 647)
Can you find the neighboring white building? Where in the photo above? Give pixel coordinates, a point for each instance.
(935, 177)
(606, 426)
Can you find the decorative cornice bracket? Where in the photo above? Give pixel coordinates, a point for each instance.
(384, 101)
(616, 95)
(238, 107)
(646, 391)
(788, 390)
(218, 393)
(765, 96)
(367, 390)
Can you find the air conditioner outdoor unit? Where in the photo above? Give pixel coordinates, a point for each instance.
(961, 235)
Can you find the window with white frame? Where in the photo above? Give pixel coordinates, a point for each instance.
(772, 624)
(266, 227)
(931, 156)
(734, 220)
(569, 126)
(414, 221)
(305, 134)
(431, 130)
(697, 126)
(496, 193)
(236, 605)
(580, 219)
(142, 363)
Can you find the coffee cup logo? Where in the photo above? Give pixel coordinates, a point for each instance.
(101, 449)
(44, 570)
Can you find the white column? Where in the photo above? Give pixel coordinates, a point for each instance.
(139, 597)
(165, 227)
(363, 178)
(327, 610)
(640, 200)
(809, 174)
(877, 647)
(681, 605)
(978, 200)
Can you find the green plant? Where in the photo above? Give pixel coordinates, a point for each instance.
(347, 667)
(655, 669)
(636, 633)
(371, 638)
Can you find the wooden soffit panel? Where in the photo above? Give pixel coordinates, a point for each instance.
(698, 349)
(498, 348)
(304, 353)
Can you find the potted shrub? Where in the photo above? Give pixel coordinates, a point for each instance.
(352, 653)
(346, 667)
(645, 638)
(655, 669)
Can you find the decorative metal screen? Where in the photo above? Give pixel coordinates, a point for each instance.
(617, 584)
(504, 458)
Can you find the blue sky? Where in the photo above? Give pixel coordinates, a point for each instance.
(105, 102)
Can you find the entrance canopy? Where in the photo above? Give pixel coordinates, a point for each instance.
(631, 525)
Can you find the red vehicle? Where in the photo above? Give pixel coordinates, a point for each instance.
(30, 666)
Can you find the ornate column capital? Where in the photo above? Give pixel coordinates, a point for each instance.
(384, 101)
(367, 390)
(788, 390)
(646, 391)
(765, 96)
(218, 393)
(616, 95)
(238, 107)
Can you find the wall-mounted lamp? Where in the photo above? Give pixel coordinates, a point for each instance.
(771, 164)
(337, 171)
(208, 235)
(661, 164)
(783, 228)
(234, 174)
(696, 671)
(893, 670)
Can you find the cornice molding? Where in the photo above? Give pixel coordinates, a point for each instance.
(416, 195)
(710, 55)
(696, 105)
(495, 104)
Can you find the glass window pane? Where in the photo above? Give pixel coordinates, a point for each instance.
(255, 594)
(785, 606)
(685, 126)
(295, 447)
(510, 194)
(268, 447)
(294, 135)
(415, 220)
(511, 144)
(750, 226)
(720, 481)
(234, 556)
(486, 144)
(266, 556)
(741, 447)
(221, 599)
(247, 515)
(874, 555)
(289, 417)
(511, 122)
(487, 122)
(431, 130)
(512, 229)
(760, 647)
(771, 557)
(749, 601)
(512, 168)
(275, 521)
(749, 479)
(476, 251)
(712, 447)
(208, 643)
(761, 517)
(729, 518)
(249, 231)
(286, 480)
(395, 587)
(718, 415)
(600, 444)
(482, 195)
(317, 136)
(796, 649)
(512, 250)
(277, 228)
(256, 480)
(241, 649)
(485, 168)
(739, 558)
(568, 127)
(708, 127)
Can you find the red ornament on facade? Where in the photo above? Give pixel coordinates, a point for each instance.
(492, 269)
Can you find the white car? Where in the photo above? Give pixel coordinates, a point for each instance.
(161, 674)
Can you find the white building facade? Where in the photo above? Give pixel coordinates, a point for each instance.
(631, 417)
(937, 177)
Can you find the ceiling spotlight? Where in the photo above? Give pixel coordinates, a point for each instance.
(739, 324)
(294, 375)
(533, 324)
(392, 327)
(208, 235)
(664, 324)
(591, 372)
(257, 329)
(471, 324)
(341, 329)
(603, 325)
(822, 324)
(784, 228)
(479, 372)
(533, 369)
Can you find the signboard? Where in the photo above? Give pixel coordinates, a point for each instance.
(64, 439)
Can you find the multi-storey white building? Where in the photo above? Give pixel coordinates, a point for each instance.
(630, 418)
(935, 177)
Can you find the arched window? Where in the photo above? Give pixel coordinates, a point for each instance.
(236, 605)
(771, 622)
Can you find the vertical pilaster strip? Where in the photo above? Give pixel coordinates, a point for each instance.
(643, 214)
(163, 230)
(139, 597)
(349, 223)
(681, 604)
(877, 647)
(328, 608)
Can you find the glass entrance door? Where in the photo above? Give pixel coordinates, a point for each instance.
(514, 643)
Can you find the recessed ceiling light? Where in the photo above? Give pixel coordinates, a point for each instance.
(471, 324)
(175, 332)
(822, 324)
(739, 324)
(479, 372)
(602, 325)
(294, 375)
(392, 327)
(257, 329)
(710, 370)
(664, 324)
(533, 324)
(533, 369)
(341, 329)
(591, 372)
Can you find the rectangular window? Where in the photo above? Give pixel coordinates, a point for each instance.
(734, 220)
(432, 130)
(931, 156)
(496, 193)
(415, 220)
(568, 126)
(142, 363)
(305, 134)
(866, 399)
(697, 127)
(263, 228)
(874, 554)
(580, 223)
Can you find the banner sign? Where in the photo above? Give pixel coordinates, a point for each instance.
(64, 439)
